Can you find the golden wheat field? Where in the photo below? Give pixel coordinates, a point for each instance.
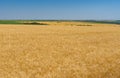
(60, 50)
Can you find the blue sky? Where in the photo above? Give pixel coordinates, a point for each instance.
(60, 9)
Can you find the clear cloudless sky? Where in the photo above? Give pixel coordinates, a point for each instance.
(60, 9)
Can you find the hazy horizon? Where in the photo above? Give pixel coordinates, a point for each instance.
(59, 10)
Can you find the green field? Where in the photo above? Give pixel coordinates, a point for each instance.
(35, 22)
(29, 22)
